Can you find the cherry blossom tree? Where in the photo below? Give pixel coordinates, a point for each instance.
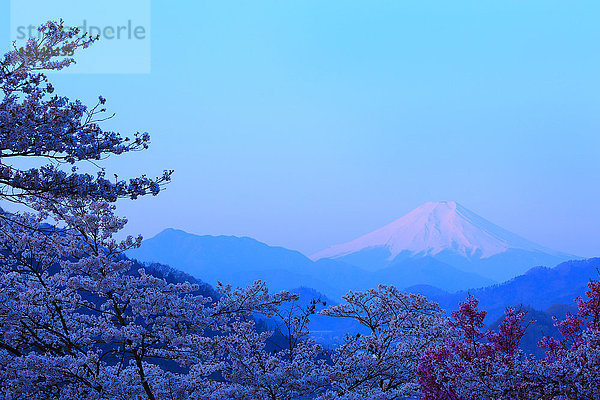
(382, 362)
(55, 133)
(571, 369)
(475, 364)
(77, 321)
(254, 372)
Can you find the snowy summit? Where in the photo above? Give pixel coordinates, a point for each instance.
(436, 227)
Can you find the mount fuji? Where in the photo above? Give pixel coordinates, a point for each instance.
(449, 233)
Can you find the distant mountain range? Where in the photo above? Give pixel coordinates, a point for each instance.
(440, 244)
(241, 261)
(539, 288)
(440, 250)
(448, 233)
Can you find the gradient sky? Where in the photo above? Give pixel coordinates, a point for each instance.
(309, 123)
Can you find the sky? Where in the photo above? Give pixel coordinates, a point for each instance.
(309, 123)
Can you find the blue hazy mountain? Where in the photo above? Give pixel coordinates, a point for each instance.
(448, 233)
(241, 260)
(230, 259)
(540, 288)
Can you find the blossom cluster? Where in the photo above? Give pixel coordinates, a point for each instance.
(55, 133)
(474, 364)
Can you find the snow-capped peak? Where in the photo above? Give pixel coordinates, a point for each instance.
(435, 227)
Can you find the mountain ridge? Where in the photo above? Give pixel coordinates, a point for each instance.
(240, 261)
(540, 288)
